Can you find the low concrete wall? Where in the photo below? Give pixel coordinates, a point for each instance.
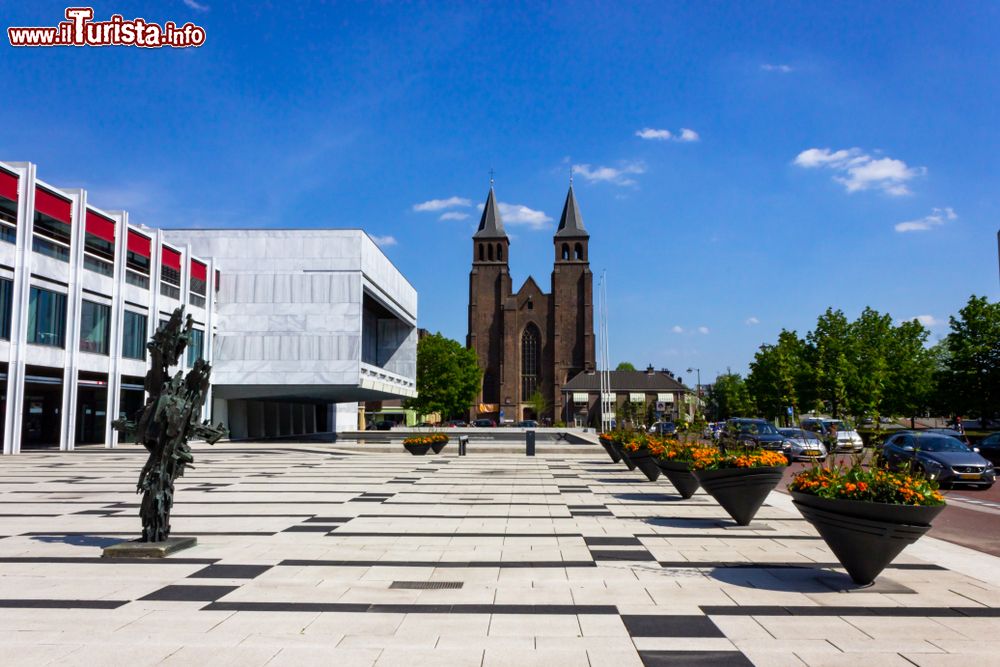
(503, 436)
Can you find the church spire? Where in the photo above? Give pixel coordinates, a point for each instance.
(490, 225)
(571, 224)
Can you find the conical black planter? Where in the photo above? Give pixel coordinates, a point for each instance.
(438, 446)
(865, 537)
(740, 491)
(680, 475)
(609, 447)
(417, 450)
(625, 457)
(645, 462)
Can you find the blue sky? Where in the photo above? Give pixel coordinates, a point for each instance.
(833, 156)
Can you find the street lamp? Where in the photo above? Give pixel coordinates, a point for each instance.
(698, 388)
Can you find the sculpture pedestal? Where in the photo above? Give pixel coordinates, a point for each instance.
(137, 549)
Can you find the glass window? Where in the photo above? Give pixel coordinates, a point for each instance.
(52, 228)
(134, 336)
(529, 361)
(47, 318)
(6, 304)
(195, 348)
(95, 327)
(137, 262)
(8, 220)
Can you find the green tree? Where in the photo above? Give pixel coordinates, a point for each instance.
(448, 377)
(972, 371)
(777, 375)
(538, 404)
(625, 366)
(910, 384)
(870, 342)
(729, 397)
(829, 356)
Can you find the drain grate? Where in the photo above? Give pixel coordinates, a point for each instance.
(426, 585)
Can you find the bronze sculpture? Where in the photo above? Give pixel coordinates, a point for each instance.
(169, 418)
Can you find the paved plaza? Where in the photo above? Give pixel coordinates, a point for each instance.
(312, 555)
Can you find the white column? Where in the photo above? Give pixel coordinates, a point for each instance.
(20, 293)
(117, 329)
(74, 306)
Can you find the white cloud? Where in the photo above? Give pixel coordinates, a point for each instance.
(688, 135)
(454, 215)
(650, 133)
(383, 241)
(784, 69)
(197, 6)
(703, 330)
(752, 320)
(937, 217)
(653, 134)
(677, 329)
(441, 204)
(519, 214)
(929, 320)
(617, 175)
(857, 170)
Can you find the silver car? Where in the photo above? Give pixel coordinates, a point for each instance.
(802, 445)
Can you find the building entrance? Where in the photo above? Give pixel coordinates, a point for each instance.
(91, 409)
(41, 418)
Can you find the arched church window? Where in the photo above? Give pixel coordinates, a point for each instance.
(578, 251)
(481, 252)
(530, 361)
(489, 252)
(499, 252)
(565, 251)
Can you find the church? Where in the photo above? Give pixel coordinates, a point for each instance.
(530, 343)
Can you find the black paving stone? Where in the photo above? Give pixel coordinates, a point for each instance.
(230, 572)
(648, 625)
(612, 541)
(694, 658)
(178, 593)
(621, 554)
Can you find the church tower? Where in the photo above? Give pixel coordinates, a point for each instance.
(572, 305)
(489, 286)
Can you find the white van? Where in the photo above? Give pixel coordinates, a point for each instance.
(848, 440)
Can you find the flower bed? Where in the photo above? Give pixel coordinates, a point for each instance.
(874, 485)
(429, 439)
(710, 458)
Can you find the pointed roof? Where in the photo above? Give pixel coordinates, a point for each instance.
(490, 225)
(571, 224)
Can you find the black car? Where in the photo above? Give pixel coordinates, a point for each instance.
(526, 423)
(939, 457)
(484, 423)
(383, 425)
(989, 448)
(740, 432)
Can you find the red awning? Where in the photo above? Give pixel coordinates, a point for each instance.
(53, 206)
(8, 185)
(100, 226)
(199, 271)
(171, 258)
(138, 244)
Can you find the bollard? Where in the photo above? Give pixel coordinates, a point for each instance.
(529, 443)
(463, 440)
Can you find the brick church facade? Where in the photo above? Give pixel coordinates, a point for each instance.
(529, 340)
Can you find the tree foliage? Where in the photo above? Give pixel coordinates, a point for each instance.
(872, 367)
(970, 376)
(448, 377)
(625, 366)
(730, 397)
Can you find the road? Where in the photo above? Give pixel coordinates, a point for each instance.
(972, 517)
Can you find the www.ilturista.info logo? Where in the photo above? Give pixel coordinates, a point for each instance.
(79, 29)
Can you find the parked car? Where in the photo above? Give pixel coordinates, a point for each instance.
(953, 433)
(384, 425)
(526, 423)
(989, 449)
(847, 439)
(455, 423)
(802, 445)
(484, 423)
(938, 456)
(742, 432)
(663, 428)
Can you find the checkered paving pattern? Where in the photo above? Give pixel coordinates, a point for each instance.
(310, 555)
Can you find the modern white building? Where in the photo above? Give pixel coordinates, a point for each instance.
(293, 322)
